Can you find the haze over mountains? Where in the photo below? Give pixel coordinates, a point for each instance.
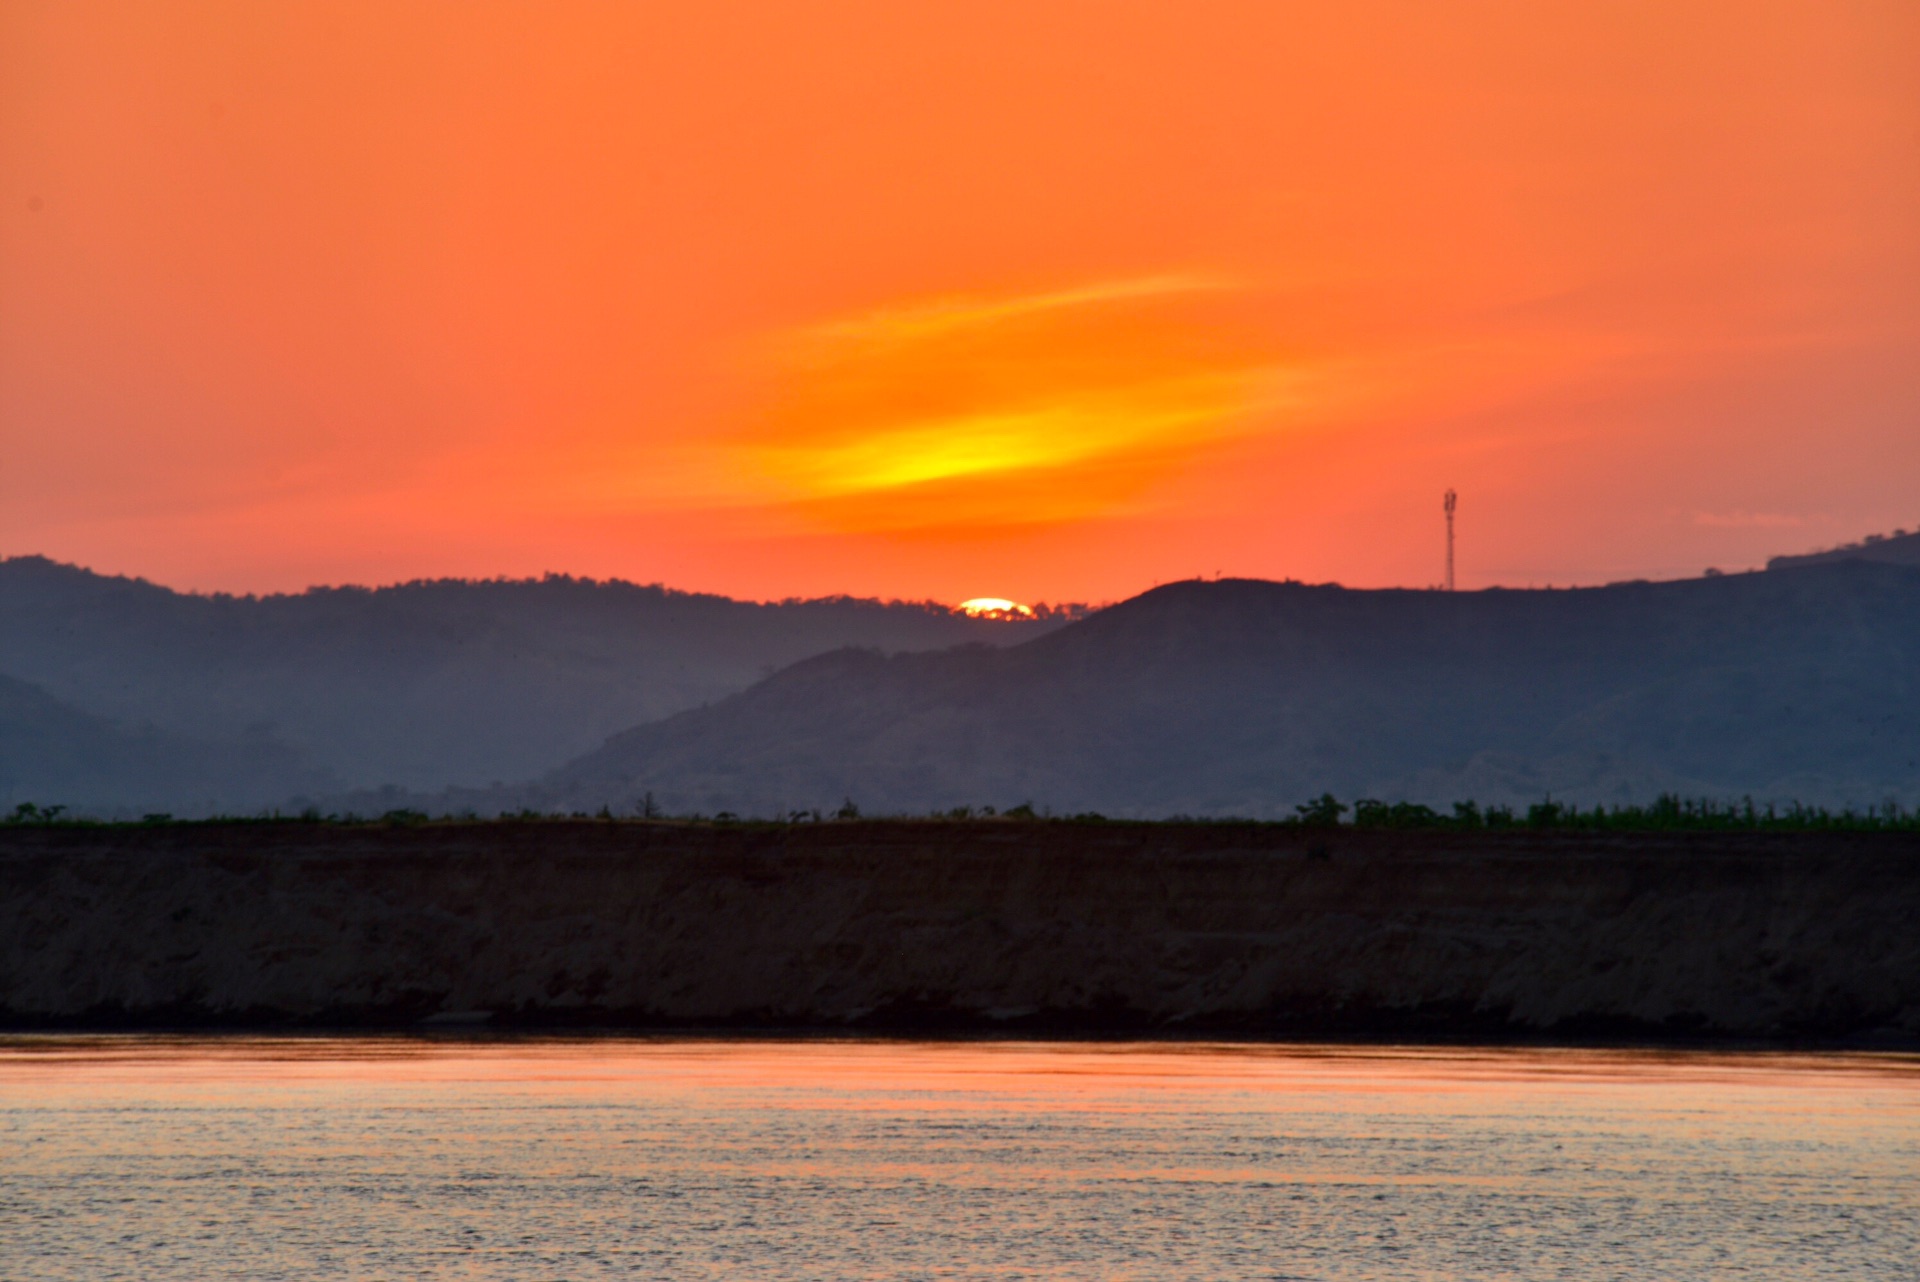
(51, 753)
(126, 695)
(1243, 698)
(1232, 697)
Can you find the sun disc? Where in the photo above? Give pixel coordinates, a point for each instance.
(993, 607)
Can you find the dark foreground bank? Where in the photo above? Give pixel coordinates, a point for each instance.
(1261, 930)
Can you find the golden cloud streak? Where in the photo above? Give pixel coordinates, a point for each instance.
(952, 407)
(1020, 439)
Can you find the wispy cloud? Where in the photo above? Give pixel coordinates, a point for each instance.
(1054, 404)
(945, 315)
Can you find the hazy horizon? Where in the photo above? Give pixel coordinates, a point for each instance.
(1069, 603)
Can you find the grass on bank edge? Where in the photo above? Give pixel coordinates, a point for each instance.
(1669, 813)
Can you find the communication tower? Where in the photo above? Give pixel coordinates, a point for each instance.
(1449, 503)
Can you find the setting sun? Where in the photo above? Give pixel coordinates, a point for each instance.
(993, 607)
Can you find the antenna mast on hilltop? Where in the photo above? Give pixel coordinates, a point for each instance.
(1449, 503)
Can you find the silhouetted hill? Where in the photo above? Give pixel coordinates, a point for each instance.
(1242, 697)
(423, 684)
(1899, 548)
(54, 754)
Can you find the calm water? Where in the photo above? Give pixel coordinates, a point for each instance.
(385, 1158)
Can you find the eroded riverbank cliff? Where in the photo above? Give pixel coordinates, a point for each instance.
(1249, 929)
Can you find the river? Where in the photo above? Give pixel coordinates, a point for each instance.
(156, 1157)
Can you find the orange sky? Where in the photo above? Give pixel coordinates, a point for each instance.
(1039, 300)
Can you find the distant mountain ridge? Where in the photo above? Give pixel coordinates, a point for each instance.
(1243, 697)
(1232, 697)
(421, 685)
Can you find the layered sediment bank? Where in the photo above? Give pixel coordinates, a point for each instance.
(1243, 929)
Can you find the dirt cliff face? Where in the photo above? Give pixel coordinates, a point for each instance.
(1113, 927)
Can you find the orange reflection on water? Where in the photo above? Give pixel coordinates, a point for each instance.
(848, 1072)
(189, 1157)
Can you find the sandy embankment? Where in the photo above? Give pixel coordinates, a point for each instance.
(1111, 927)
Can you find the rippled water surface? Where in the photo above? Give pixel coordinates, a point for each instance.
(392, 1158)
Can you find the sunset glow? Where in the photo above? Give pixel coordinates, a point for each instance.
(1024, 409)
(994, 607)
(891, 300)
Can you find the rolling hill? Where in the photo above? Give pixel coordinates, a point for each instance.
(1246, 697)
(1898, 548)
(421, 685)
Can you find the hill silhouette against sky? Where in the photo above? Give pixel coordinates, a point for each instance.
(1899, 548)
(1246, 697)
(421, 685)
(1229, 697)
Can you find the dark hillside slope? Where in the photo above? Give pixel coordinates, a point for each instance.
(424, 684)
(52, 754)
(1899, 548)
(1246, 697)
